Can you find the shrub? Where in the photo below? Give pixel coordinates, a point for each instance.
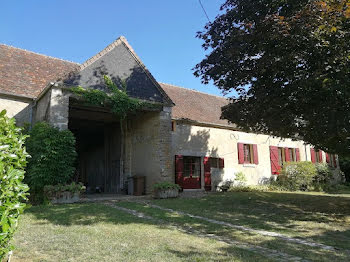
(323, 176)
(53, 157)
(12, 189)
(296, 176)
(165, 186)
(238, 182)
(54, 190)
(240, 178)
(243, 188)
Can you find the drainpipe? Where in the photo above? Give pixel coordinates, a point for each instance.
(32, 108)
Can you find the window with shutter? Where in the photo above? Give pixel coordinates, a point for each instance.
(274, 158)
(255, 154)
(248, 154)
(313, 155)
(240, 153)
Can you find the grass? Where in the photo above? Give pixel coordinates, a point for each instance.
(306, 252)
(323, 218)
(94, 232)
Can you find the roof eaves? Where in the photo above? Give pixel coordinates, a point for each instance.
(207, 124)
(16, 96)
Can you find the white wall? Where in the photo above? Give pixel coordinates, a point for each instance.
(16, 108)
(200, 141)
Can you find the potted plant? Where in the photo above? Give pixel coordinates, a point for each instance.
(166, 190)
(64, 194)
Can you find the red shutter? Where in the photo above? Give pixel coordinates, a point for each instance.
(297, 152)
(207, 174)
(255, 154)
(275, 167)
(221, 163)
(313, 155)
(327, 158)
(240, 153)
(286, 154)
(335, 160)
(179, 169)
(320, 155)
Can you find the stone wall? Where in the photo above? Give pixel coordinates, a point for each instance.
(148, 147)
(53, 107)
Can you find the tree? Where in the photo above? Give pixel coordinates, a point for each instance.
(288, 63)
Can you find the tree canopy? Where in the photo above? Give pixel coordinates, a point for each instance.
(287, 65)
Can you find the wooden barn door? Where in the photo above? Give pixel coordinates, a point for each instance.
(112, 158)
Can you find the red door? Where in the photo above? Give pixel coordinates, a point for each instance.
(188, 172)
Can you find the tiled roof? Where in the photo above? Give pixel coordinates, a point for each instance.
(26, 73)
(196, 106)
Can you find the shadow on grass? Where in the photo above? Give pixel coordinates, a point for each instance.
(80, 214)
(90, 214)
(93, 214)
(196, 226)
(322, 218)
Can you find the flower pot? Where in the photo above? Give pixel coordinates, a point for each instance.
(65, 197)
(166, 193)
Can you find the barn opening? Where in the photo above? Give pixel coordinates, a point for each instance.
(98, 144)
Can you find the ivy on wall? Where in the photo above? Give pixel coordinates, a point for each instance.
(120, 103)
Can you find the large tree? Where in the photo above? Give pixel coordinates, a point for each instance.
(288, 65)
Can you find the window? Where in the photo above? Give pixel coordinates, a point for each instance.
(292, 155)
(286, 154)
(192, 167)
(173, 125)
(318, 157)
(331, 160)
(216, 162)
(281, 156)
(247, 154)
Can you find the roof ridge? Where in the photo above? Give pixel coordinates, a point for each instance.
(47, 56)
(221, 97)
(110, 47)
(101, 53)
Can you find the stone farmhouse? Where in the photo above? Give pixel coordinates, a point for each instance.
(182, 140)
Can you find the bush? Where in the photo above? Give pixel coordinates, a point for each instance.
(54, 190)
(323, 177)
(12, 189)
(165, 186)
(303, 176)
(53, 157)
(243, 188)
(238, 182)
(296, 176)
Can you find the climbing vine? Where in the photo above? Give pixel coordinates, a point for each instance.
(117, 99)
(120, 103)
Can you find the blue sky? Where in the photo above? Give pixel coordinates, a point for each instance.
(162, 32)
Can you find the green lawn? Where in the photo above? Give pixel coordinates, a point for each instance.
(94, 232)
